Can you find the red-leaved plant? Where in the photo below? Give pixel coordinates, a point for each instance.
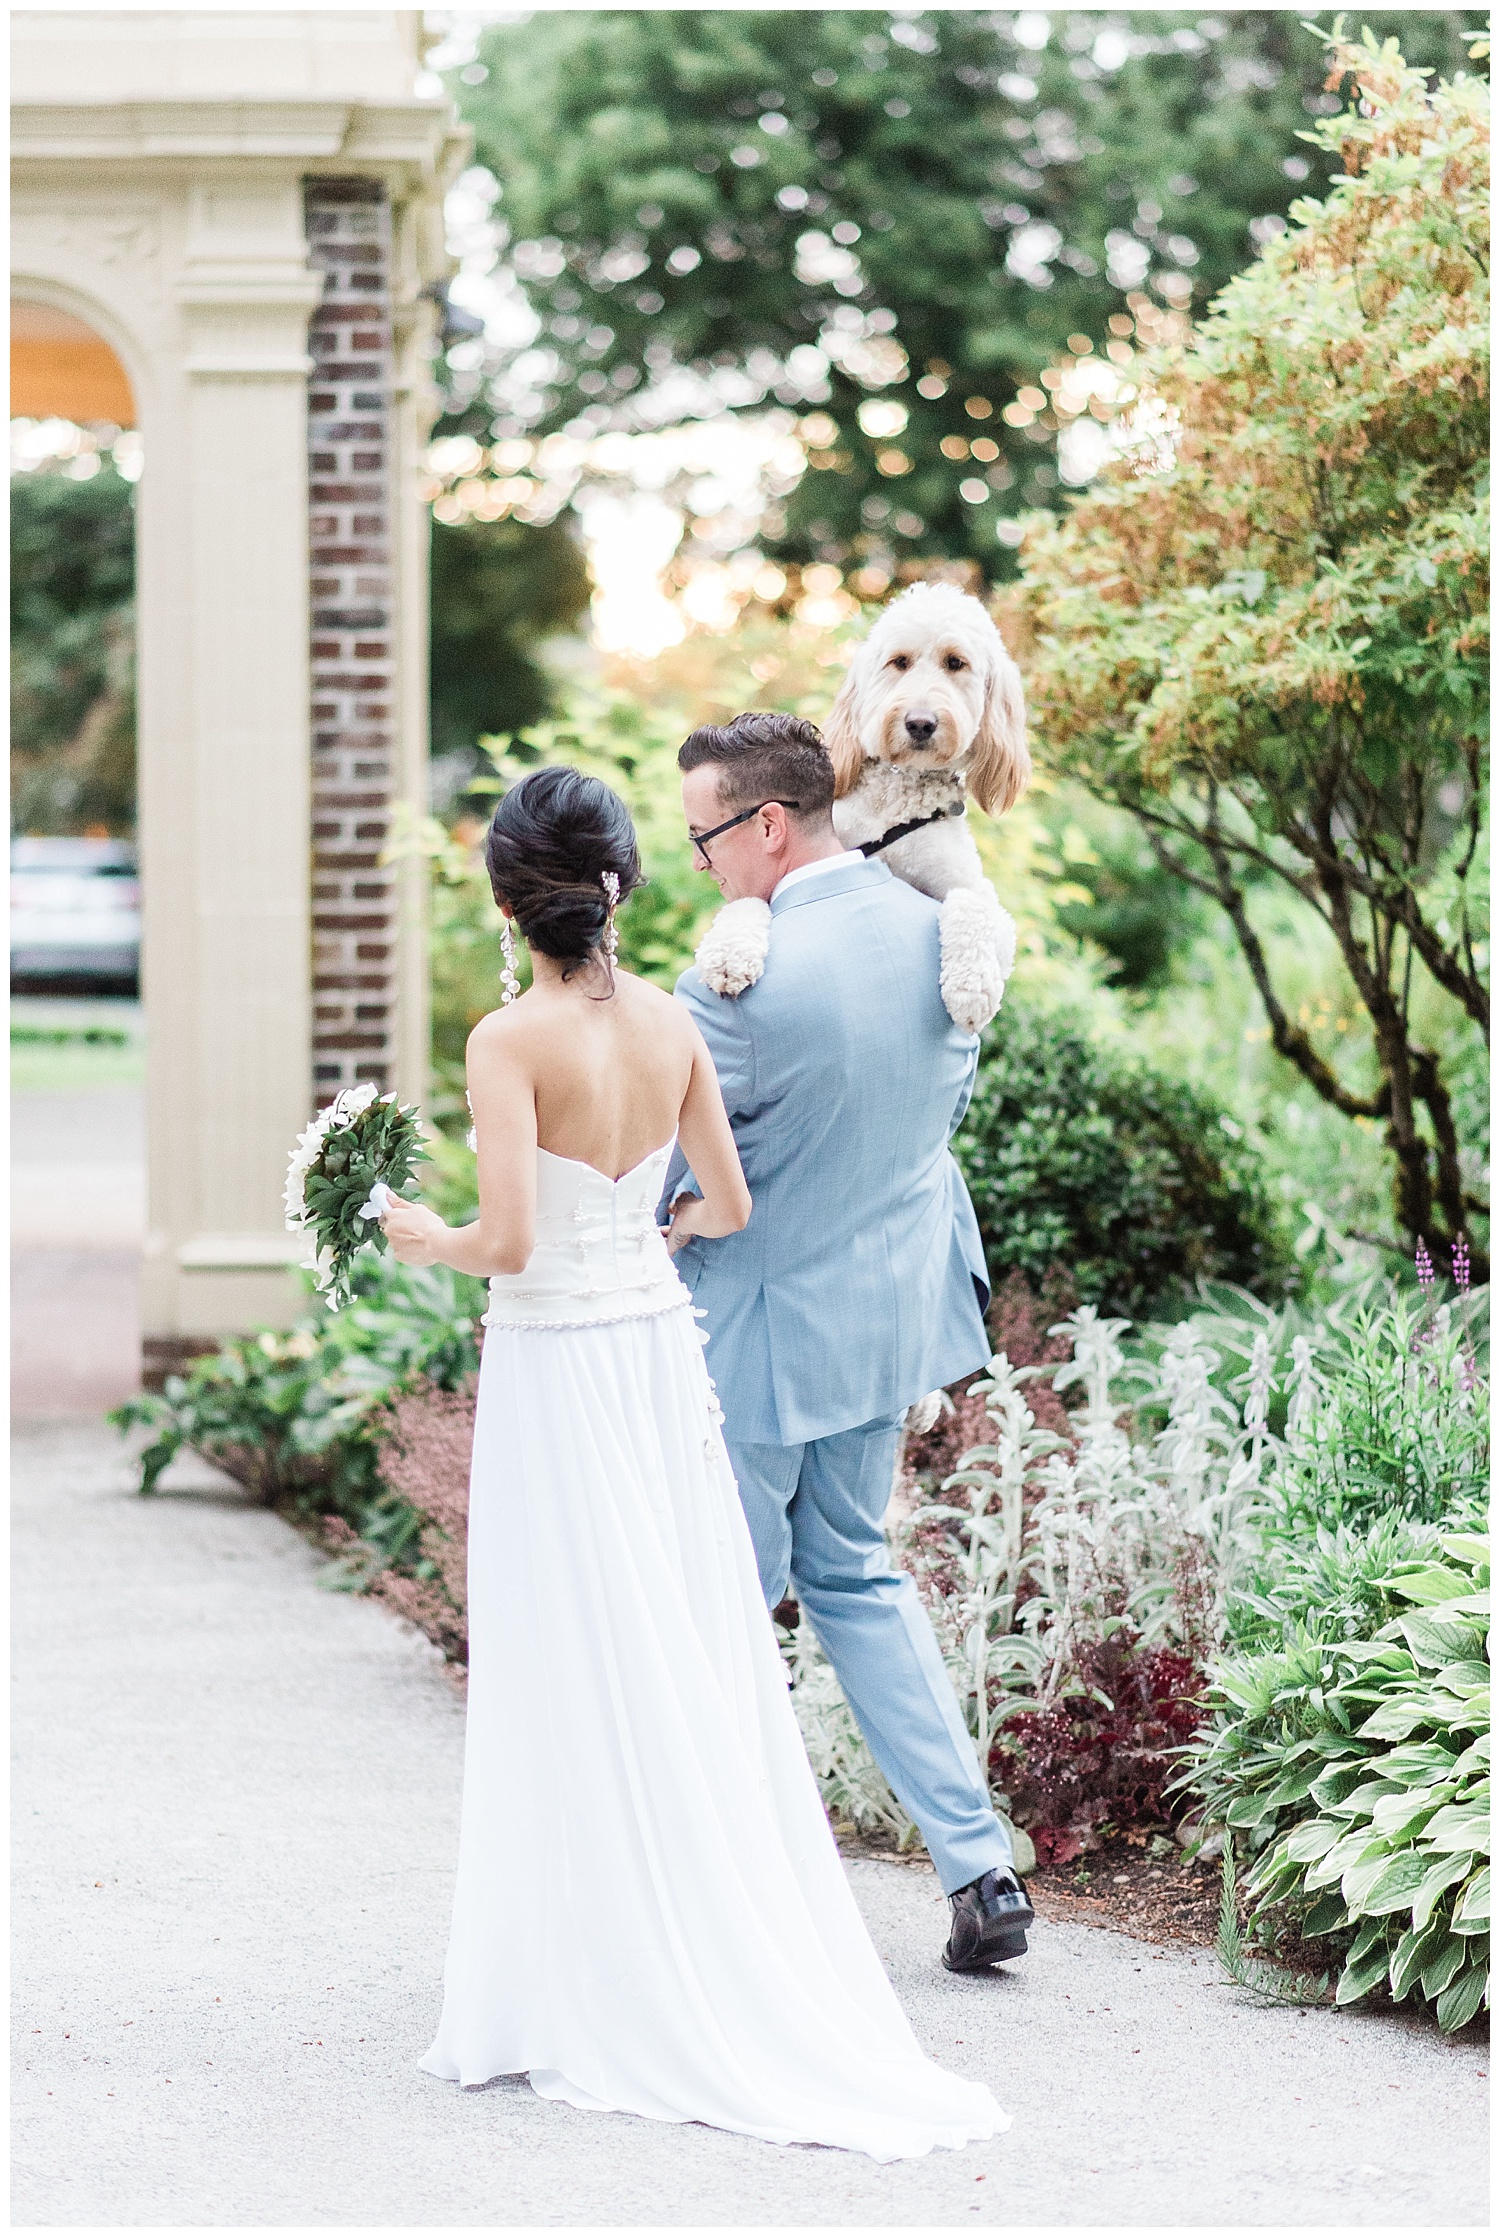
(424, 1459)
(1104, 1756)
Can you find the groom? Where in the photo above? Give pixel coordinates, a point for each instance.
(859, 1283)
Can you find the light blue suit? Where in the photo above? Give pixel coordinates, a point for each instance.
(857, 1286)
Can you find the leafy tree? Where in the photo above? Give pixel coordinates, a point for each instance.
(1077, 1157)
(1265, 633)
(1106, 887)
(898, 218)
(72, 618)
(498, 588)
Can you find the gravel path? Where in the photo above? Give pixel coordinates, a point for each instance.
(236, 1807)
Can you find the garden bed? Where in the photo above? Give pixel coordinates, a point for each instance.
(1134, 1883)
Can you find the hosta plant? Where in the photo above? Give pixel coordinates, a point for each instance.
(1358, 1771)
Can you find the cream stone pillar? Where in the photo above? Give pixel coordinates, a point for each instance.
(161, 161)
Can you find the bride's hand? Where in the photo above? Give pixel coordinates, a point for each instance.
(413, 1233)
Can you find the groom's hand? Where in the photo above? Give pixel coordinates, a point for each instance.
(681, 1216)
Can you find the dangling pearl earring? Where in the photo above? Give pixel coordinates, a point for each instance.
(510, 985)
(611, 885)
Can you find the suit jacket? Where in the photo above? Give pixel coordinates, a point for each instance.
(859, 1283)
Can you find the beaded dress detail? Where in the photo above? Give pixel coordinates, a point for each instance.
(651, 1916)
(599, 1255)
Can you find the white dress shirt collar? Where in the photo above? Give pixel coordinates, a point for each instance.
(816, 869)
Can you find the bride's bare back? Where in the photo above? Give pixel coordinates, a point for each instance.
(609, 1072)
(602, 1076)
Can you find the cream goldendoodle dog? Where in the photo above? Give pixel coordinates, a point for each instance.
(931, 710)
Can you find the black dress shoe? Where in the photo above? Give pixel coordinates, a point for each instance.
(990, 1918)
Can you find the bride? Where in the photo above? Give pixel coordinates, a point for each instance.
(651, 1916)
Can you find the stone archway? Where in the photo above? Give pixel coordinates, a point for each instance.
(165, 168)
(61, 368)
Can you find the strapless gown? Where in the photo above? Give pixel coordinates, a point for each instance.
(651, 1916)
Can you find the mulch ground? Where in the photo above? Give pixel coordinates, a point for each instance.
(1135, 1883)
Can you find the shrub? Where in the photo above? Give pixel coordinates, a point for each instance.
(426, 1442)
(295, 1417)
(1078, 1156)
(1359, 1771)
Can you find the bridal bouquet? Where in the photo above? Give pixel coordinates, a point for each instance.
(348, 1167)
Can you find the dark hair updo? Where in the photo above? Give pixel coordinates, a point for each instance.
(551, 841)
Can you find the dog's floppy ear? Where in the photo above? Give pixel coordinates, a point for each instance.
(999, 763)
(841, 733)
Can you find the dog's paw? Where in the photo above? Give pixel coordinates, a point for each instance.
(922, 1414)
(732, 953)
(978, 945)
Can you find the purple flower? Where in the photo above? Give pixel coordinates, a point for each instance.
(1425, 1275)
(1461, 1265)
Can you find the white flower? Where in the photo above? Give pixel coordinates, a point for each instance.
(353, 1100)
(379, 1201)
(304, 1157)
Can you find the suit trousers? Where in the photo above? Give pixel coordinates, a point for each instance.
(816, 1514)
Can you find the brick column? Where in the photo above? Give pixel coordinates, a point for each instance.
(349, 428)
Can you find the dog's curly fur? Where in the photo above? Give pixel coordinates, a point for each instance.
(930, 710)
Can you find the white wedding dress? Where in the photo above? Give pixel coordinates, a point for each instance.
(651, 1916)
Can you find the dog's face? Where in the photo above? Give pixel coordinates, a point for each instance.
(933, 687)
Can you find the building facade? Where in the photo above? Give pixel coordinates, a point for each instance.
(245, 210)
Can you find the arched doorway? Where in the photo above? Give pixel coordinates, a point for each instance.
(61, 369)
(78, 1060)
(227, 269)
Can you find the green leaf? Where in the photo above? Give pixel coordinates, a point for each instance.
(1390, 1890)
(1327, 1914)
(1398, 1719)
(1334, 1785)
(1458, 1827)
(1340, 1857)
(1413, 1951)
(1475, 1552)
(1458, 2004)
(1312, 1839)
(1432, 1586)
(1291, 1789)
(1465, 1676)
(1397, 1816)
(1472, 1912)
(1438, 1879)
(1444, 1964)
(1373, 1934)
(1433, 1642)
(1361, 1975)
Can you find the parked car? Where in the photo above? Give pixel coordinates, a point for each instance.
(75, 916)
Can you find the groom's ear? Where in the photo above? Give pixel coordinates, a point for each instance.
(841, 736)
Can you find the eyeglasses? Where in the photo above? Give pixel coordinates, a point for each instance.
(700, 839)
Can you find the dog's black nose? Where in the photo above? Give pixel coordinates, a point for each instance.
(921, 727)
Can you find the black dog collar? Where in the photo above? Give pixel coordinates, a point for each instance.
(905, 830)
